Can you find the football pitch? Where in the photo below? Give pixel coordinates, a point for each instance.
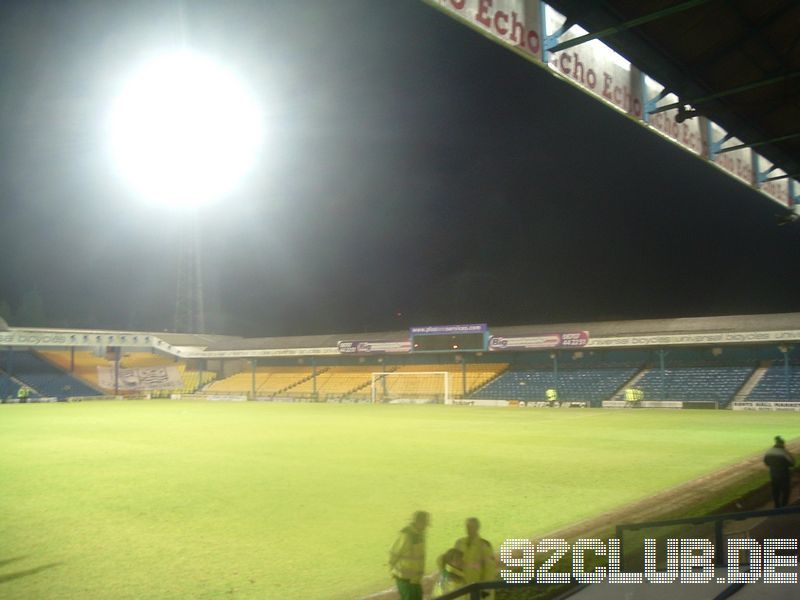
(149, 499)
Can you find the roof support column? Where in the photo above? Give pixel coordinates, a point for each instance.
(649, 103)
(253, 365)
(550, 40)
(758, 176)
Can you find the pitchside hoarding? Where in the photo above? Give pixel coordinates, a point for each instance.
(523, 26)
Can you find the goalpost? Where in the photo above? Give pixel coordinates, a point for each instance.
(411, 387)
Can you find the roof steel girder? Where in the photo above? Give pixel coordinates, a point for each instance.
(631, 45)
(757, 144)
(737, 90)
(654, 16)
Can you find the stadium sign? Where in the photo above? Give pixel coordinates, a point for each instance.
(743, 337)
(264, 352)
(514, 23)
(530, 27)
(374, 347)
(645, 404)
(767, 406)
(450, 329)
(21, 337)
(32, 339)
(552, 340)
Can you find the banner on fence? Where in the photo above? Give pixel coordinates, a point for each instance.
(145, 378)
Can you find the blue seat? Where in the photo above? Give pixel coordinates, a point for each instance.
(578, 384)
(773, 386)
(8, 387)
(686, 383)
(45, 379)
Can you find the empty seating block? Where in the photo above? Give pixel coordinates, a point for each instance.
(46, 379)
(773, 386)
(355, 379)
(586, 385)
(8, 387)
(717, 383)
(269, 380)
(192, 381)
(138, 360)
(459, 385)
(85, 365)
(339, 380)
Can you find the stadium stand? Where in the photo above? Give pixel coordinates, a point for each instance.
(139, 360)
(700, 374)
(86, 363)
(477, 375)
(591, 385)
(8, 387)
(45, 378)
(342, 380)
(724, 367)
(269, 380)
(85, 367)
(695, 383)
(354, 380)
(192, 380)
(773, 385)
(582, 376)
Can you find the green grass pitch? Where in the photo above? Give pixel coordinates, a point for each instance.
(254, 500)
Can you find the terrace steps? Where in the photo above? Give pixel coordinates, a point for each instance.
(752, 382)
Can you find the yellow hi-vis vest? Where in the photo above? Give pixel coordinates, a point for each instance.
(633, 395)
(449, 580)
(551, 394)
(407, 556)
(479, 563)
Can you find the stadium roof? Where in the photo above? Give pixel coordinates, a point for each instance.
(725, 324)
(771, 328)
(738, 63)
(308, 341)
(194, 339)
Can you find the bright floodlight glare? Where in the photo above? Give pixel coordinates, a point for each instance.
(184, 130)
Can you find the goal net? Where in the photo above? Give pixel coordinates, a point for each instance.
(411, 387)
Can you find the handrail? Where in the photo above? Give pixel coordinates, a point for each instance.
(717, 520)
(738, 516)
(474, 589)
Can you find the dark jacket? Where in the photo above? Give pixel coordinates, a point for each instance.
(779, 461)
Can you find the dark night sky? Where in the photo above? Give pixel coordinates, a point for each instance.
(412, 166)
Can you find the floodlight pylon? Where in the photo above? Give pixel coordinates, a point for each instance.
(189, 301)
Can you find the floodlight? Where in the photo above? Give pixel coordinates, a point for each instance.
(184, 130)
